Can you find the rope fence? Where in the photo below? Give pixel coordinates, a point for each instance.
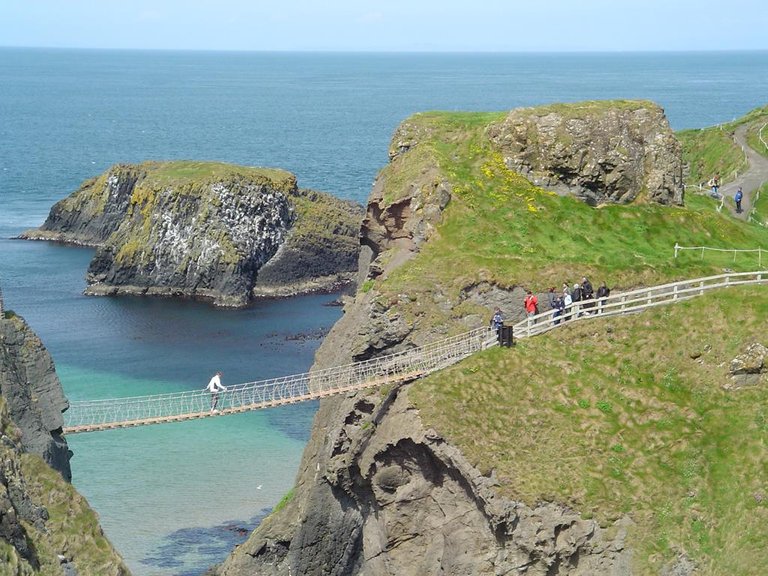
(734, 251)
(751, 216)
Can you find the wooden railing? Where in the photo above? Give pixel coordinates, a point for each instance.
(635, 301)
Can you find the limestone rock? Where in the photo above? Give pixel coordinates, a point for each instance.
(614, 151)
(209, 231)
(749, 368)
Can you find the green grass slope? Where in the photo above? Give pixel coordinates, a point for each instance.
(710, 151)
(627, 416)
(500, 228)
(611, 417)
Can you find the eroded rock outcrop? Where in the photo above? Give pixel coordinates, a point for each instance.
(614, 151)
(381, 495)
(378, 493)
(33, 393)
(205, 230)
(46, 527)
(750, 368)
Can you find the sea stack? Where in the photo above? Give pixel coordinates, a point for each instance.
(206, 230)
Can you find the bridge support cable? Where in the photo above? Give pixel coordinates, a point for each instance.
(394, 368)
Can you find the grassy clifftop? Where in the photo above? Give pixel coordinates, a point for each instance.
(711, 151)
(502, 229)
(627, 416)
(610, 417)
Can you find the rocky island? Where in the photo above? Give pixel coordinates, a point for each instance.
(591, 451)
(206, 230)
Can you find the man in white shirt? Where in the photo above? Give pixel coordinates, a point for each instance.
(214, 387)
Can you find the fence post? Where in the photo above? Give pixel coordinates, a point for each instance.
(623, 299)
(701, 286)
(677, 247)
(674, 292)
(702, 252)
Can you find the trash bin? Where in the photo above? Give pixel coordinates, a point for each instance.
(506, 338)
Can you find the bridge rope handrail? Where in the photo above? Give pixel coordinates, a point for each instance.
(393, 368)
(397, 367)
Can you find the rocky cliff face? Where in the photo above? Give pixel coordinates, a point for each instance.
(378, 493)
(598, 151)
(33, 393)
(208, 231)
(46, 527)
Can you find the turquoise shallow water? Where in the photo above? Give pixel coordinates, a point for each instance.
(175, 498)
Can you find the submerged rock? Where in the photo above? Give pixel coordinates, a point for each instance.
(207, 230)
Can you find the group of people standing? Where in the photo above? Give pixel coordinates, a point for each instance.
(572, 302)
(577, 301)
(714, 186)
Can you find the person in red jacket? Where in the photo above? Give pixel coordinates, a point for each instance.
(531, 304)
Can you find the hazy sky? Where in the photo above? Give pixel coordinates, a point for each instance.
(387, 25)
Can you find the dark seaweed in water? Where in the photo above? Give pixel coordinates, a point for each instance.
(189, 550)
(312, 335)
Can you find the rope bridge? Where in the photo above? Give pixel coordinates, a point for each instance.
(90, 416)
(93, 415)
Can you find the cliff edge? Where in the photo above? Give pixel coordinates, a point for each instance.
(46, 527)
(443, 475)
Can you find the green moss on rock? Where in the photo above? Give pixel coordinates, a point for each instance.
(205, 230)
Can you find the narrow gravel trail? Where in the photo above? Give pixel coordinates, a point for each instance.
(751, 179)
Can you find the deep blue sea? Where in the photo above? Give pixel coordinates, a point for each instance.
(175, 498)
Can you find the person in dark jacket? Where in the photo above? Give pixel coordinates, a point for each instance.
(602, 292)
(558, 309)
(587, 294)
(497, 321)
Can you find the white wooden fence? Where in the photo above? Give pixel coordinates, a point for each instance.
(635, 301)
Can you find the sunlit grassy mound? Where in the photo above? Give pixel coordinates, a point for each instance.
(627, 416)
